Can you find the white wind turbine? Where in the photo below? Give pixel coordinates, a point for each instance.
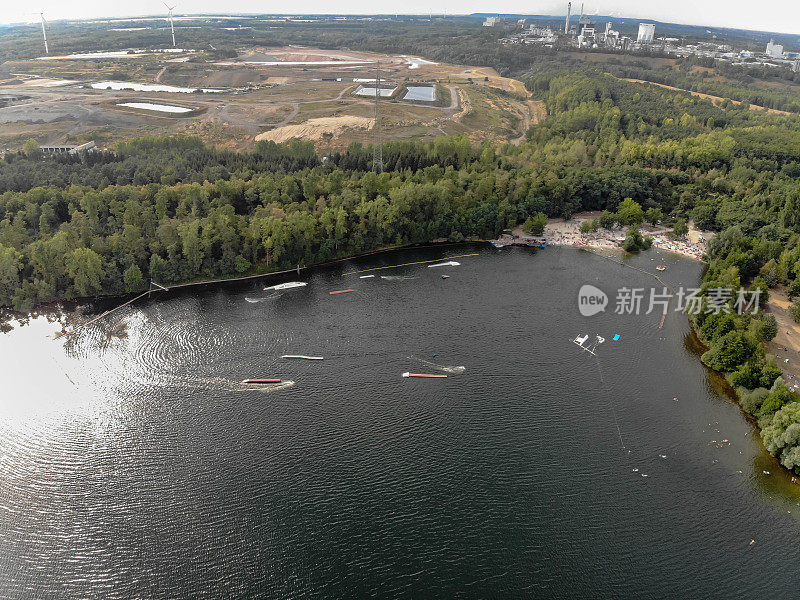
(171, 26)
(44, 33)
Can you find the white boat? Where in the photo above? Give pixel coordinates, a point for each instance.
(286, 286)
(366, 276)
(303, 357)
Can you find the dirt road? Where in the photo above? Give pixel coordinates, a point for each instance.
(773, 111)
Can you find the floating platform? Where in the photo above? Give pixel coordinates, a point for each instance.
(341, 292)
(425, 375)
(286, 286)
(261, 381)
(449, 263)
(301, 356)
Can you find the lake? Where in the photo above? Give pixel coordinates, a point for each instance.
(134, 464)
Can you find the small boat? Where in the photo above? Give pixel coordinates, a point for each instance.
(445, 276)
(425, 375)
(366, 276)
(286, 286)
(341, 292)
(261, 381)
(661, 268)
(765, 472)
(302, 356)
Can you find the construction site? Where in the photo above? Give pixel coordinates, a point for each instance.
(278, 94)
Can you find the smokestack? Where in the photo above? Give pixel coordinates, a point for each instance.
(566, 26)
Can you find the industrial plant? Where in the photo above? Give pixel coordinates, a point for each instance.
(585, 33)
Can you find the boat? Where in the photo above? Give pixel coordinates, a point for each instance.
(303, 357)
(425, 375)
(445, 276)
(661, 268)
(341, 292)
(286, 286)
(366, 276)
(261, 381)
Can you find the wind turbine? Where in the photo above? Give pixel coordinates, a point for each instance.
(44, 33)
(171, 26)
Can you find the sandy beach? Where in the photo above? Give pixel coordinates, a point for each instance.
(560, 232)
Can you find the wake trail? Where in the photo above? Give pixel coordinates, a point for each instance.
(443, 368)
(610, 401)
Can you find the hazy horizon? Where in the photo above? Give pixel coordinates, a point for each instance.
(713, 13)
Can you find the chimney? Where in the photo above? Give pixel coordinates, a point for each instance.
(566, 27)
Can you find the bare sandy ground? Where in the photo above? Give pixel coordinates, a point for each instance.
(314, 129)
(559, 232)
(786, 344)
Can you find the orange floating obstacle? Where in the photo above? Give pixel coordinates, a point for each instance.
(425, 375)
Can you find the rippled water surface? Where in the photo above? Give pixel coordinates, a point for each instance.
(137, 465)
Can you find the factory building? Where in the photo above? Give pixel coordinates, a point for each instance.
(647, 32)
(774, 50)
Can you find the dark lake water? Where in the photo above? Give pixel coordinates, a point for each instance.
(138, 466)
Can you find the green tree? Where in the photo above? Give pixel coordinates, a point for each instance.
(634, 241)
(765, 328)
(607, 219)
(794, 312)
(590, 225)
(653, 216)
(10, 266)
(31, 148)
(133, 279)
(730, 351)
(630, 213)
(680, 229)
(781, 435)
(85, 267)
(793, 289)
(535, 225)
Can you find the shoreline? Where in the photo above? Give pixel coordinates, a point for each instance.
(44, 308)
(560, 232)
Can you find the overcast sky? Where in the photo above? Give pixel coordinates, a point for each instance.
(769, 15)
